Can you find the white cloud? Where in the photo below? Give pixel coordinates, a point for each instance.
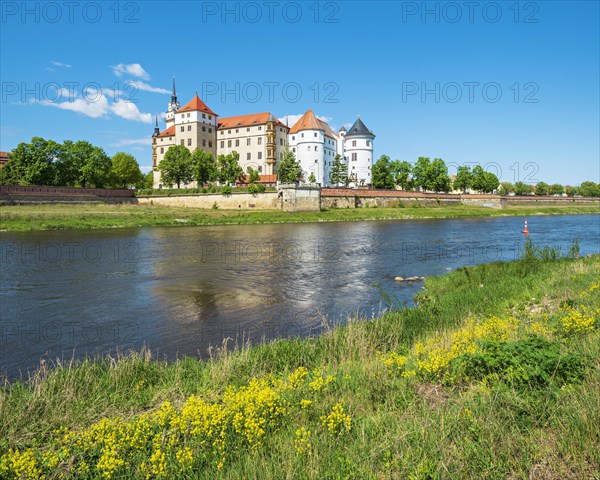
(145, 168)
(148, 88)
(96, 105)
(134, 69)
(60, 64)
(97, 109)
(124, 142)
(130, 111)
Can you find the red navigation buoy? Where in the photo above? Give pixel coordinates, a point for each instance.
(525, 229)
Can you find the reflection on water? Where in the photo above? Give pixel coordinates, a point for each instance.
(179, 290)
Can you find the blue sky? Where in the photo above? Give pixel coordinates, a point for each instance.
(513, 86)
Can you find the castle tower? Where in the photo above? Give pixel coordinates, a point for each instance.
(154, 140)
(358, 147)
(172, 108)
(271, 145)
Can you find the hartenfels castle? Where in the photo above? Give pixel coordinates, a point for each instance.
(260, 139)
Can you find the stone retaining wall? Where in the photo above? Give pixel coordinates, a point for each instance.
(235, 201)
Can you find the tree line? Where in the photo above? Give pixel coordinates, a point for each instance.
(71, 164)
(432, 175)
(81, 164)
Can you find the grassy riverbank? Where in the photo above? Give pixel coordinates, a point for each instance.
(494, 375)
(87, 216)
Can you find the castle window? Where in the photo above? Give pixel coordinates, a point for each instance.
(204, 143)
(248, 141)
(237, 130)
(189, 128)
(293, 137)
(260, 155)
(222, 143)
(260, 128)
(189, 142)
(203, 115)
(203, 128)
(161, 139)
(248, 156)
(302, 135)
(182, 142)
(229, 143)
(368, 143)
(248, 129)
(209, 144)
(259, 139)
(209, 129)
(281, 141)
(222, 132)
(316, 148)
(162, 149)
(210, 117)
(309, 148)
(237, 143)
(315, 134)
(228, 132)
(294, 149)
(183, 129)
(260, 169)
(354, 143)
(354, 155)
(188, 115)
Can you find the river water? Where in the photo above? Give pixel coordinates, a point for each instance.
(179, 290)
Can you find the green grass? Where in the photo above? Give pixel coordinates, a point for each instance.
(87, 216)
(489, 416)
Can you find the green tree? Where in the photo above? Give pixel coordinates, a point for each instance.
(312, 178)
(125, 171)
(521, 188)
(589, 189)
(556, 189)
(571, 191)
(253, 176)
(177, 166)
(290, 170)
(84, 165)
(401, 171)
(506, 188)
(204, 167)
(484, 182)
(147, 180)
(541, 188)
(438, 178)
(420, 173)
(339, 171)
(464, 179)
(382, 175)
(228, 168)
(32, 163)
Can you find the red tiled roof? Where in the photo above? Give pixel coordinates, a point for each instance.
(247, 120)
(196, 104)
(3, 158)
(169, 132)
(309, 121)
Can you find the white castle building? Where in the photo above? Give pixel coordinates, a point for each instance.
(260, 140)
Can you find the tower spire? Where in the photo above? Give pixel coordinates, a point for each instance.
(156, 129)
(174, 95)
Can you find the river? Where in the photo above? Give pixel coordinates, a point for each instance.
(179, 290)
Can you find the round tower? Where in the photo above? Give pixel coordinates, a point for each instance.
(358, 149)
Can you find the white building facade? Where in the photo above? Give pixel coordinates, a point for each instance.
(260, 140)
